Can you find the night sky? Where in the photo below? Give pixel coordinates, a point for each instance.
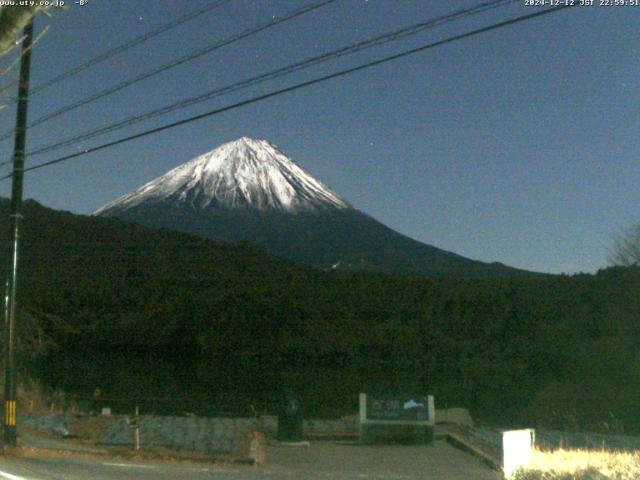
(519, 145)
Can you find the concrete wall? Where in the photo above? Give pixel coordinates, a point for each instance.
(457, 416)
(331, 427)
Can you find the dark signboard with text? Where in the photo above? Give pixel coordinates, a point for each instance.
(398, 408)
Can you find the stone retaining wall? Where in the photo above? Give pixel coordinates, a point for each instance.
(56, 423)
(213, 435)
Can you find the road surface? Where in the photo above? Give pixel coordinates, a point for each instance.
(321, 460)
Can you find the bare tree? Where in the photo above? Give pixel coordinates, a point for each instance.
(12, 20)
(626, 247)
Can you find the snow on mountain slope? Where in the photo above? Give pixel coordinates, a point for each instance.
(244, 173)
(247, 190)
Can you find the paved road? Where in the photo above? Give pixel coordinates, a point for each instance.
(319, 461)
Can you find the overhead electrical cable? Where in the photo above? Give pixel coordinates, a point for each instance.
(280, 72)
(128, 45)
(299, 86)
(174, 63)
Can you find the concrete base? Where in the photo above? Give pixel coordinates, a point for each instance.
(302, 443)
(376, 434)
(457, 416)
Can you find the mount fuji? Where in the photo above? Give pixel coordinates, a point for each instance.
(248, 190)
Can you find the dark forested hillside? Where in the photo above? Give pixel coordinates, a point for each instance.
(181, 324)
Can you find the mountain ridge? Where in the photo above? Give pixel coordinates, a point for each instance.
(242, 173)
(248, 190)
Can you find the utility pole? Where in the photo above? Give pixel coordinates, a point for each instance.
(10, 380)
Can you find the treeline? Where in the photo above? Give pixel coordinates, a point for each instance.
(184, 324)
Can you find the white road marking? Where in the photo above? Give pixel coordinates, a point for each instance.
(127, 465)
(10, 476)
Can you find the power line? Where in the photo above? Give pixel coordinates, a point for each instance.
(298, 86)
(128, 45)
(180, 61)
(287, 70)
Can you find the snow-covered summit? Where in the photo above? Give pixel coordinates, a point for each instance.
(244, 173)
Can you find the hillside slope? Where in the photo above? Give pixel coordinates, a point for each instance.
(177, 323)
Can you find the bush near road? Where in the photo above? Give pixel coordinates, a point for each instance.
(581, 465)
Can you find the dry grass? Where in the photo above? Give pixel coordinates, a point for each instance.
(581, 465)
(147, 454)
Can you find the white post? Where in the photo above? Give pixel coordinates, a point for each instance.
(432, 410)
(363, 408)
(517, 446)
(136, 431)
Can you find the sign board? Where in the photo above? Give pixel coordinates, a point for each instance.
(397, 409)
